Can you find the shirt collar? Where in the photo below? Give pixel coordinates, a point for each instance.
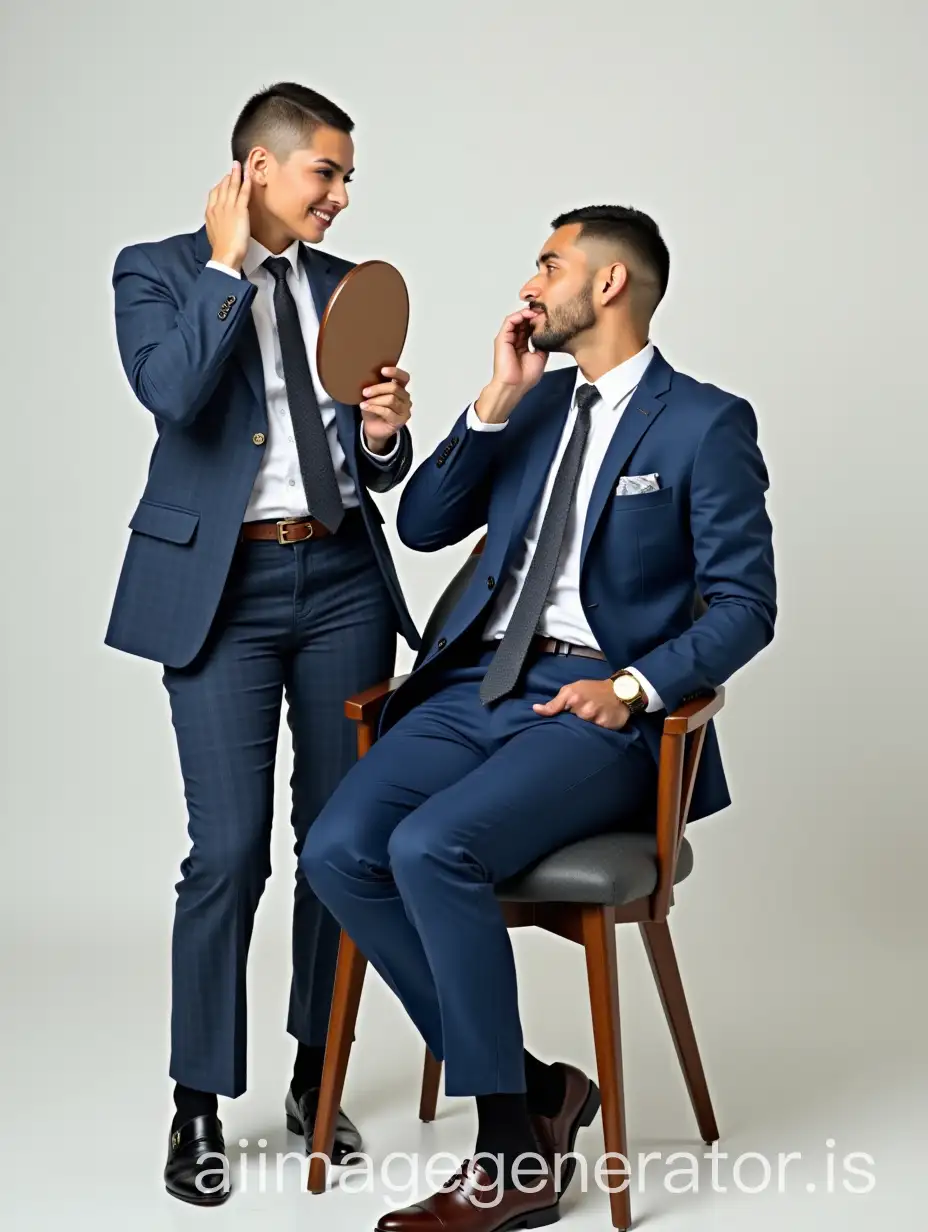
(257, 254)
(616, 384)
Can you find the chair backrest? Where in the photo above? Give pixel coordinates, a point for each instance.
(448, 600)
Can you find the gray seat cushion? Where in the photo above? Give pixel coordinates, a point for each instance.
(608, 869)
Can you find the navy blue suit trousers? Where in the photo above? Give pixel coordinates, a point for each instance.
(450, 801)
(309, 623)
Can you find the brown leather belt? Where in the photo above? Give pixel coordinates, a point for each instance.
(290, 530)
(551, 645)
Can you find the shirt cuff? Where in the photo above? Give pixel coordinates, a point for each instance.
(654, 698)
(226, 269)
(380, 457)
(476, 423)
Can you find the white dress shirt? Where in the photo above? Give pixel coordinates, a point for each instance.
(563, 616)
(278, 491)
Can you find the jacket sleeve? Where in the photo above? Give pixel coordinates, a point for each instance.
(173, 354)
(382, 474)
(448, 496)
(733, 548)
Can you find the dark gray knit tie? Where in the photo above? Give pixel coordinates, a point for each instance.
(312, 446)
(507, 663)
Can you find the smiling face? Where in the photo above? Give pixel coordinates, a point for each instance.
(562, 291)
(305, 190)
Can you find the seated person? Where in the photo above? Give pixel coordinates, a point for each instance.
(613, 492)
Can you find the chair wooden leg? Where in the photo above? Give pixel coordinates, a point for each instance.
(346, 997)
(663, 960)
(431, 1079)
(598, 926)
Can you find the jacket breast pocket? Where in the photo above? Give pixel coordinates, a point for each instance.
(643, 542)
(168, 522)
(637, 502)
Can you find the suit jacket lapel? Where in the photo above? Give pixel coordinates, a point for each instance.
(545, 434)
(248, 353)
(645, 405)
(323, 279)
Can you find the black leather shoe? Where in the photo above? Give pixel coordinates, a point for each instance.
(301, 1119)
(558, 1133)
(188, 1144)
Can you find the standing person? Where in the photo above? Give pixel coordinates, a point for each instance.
(256, 570)
(613, 492)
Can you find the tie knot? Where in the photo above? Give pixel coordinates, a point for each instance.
(278, 266)
(586, 396)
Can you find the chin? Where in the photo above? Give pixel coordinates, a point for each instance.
(548, 342)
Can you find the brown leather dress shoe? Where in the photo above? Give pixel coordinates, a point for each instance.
(559, 1133)
(470, 1202)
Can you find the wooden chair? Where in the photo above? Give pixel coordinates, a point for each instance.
(579, 892)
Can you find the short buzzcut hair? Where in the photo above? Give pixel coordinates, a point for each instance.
(283, 118)
(625, 228)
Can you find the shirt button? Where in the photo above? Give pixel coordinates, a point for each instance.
(258, 438)
(292, 483)
(290, 439)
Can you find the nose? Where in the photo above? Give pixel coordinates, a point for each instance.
(530, 290)
(339, 196)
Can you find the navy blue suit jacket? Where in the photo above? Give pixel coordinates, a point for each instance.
(644, 557)
(190, 350)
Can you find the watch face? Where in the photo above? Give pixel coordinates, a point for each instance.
(626, 687)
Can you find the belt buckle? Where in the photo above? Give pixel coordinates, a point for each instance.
(561, 647)
(284, 523)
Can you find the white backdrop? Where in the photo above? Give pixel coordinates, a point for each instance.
(782, 153)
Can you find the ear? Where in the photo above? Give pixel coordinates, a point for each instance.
(612, 281)
(257, 164)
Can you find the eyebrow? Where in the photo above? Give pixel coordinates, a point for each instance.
(330, 162)
(547, 256)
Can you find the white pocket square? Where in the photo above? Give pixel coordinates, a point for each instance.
(631, 485)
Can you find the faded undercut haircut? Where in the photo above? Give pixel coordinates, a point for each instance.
(635, 237)
(283, 118)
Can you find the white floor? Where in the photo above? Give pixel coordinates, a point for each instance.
(819, 1053)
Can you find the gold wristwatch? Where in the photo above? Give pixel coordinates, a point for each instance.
(629, 691)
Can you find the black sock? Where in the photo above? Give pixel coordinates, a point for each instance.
(504, 1129)
(307, 1068)
(545, 1086)
(190, 1103)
